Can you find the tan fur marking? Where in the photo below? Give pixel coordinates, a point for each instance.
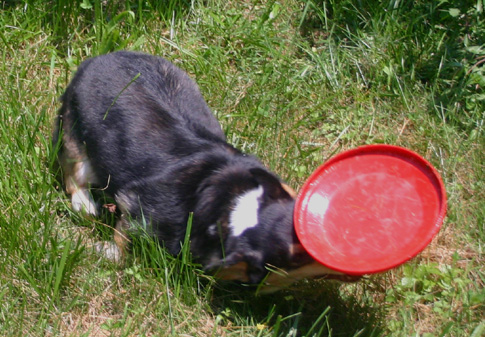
(120, 237)
(237, 272)
(296, 248)
(77, 172)
(289, 190)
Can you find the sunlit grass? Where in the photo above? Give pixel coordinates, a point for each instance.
(292, 82)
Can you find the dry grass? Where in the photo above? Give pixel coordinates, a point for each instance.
(294, 90)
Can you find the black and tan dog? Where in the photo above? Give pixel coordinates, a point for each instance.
(137, 126)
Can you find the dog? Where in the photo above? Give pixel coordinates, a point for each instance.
(138, 127)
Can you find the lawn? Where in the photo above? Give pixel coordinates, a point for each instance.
(293, 82)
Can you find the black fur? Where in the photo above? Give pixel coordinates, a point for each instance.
(155, 146)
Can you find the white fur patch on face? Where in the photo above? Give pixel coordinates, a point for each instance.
(245, 213)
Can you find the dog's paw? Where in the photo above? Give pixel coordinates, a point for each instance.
(82, 202)
(108, 250)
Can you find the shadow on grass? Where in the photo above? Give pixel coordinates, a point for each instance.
(309, 309)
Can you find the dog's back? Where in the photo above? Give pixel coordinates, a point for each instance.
(138, 113)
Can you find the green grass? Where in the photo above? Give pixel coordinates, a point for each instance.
(291, 81)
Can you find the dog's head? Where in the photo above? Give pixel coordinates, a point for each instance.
(259, 240)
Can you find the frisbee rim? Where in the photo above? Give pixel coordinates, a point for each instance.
(382, 149)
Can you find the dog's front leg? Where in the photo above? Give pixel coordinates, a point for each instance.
(116, 250)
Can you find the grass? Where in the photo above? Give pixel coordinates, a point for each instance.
(292, 82)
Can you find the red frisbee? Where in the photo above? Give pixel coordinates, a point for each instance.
(370, 209)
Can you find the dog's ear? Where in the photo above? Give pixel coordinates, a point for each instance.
(273, 188)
